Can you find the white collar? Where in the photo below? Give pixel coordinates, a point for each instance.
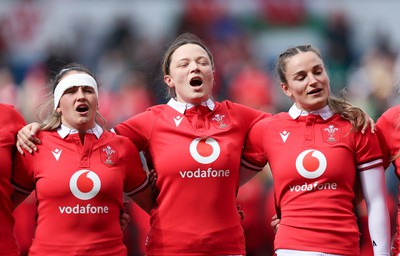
(324, 112)
(181, 107)
(63, 131)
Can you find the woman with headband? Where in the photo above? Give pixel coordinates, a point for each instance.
(79, 174)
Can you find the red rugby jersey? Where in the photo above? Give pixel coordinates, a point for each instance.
(388, 130)
(11, 122)
(196, 154)
(314, 163)
(388, 127)
(79, 190)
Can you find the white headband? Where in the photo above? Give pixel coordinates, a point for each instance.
(71, 81)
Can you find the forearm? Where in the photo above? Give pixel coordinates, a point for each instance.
(373, 183)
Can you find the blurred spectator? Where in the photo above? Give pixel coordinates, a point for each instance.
(19, 27)
(8, 88)
(33, 91)
(133, 97)
(284, 12)
(339, 55)
(371, 85)
(254, 88)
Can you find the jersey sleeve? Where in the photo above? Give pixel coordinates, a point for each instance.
(22, 174)
(368, 152)
(137, 129)
(12, 122)
(248, 115)
(384, 133)
(136, 177)
(17, 119)
(23, 178)
(253, 156)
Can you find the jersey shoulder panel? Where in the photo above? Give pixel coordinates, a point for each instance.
(242, 115)
(232, 106)
(139, 128)
(10, 118)
(389, 120)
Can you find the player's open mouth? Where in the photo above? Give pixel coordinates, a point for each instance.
(196, 81)
(82, 108)
(314, 91)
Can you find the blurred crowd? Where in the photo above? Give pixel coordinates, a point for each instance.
(127, 63)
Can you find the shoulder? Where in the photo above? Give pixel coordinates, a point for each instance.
(151, 112)
(277, 118)
(117, 140)
(113, 137)
(273, 121)
(232, 105)
(157, 109)
(142, 118)
(389, 120)
(6, 107)
(46, 135)
(9, 110)
(391, 114)
(240, 109)
(10, 118)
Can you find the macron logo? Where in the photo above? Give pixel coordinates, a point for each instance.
(57, 153)
(284, 135)
(178, 120)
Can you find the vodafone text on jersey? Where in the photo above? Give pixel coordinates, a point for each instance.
(311, 164)
(84, 185)
(204, 151)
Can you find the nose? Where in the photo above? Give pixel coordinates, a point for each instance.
(193, 66)
(312, 80)
(80, 93)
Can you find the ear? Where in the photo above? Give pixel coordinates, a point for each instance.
(286, 90)
(168, 81)
(58, 110)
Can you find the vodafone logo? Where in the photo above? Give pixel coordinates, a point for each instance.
(311, 164)
(204, 151)
(85, 184)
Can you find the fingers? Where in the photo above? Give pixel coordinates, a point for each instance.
(124, 220)
(27, 143)
(26, 139)
(276, 228)
(152, 178)
(241, 212)
(19, 148)
(35, 129)
(275, 223)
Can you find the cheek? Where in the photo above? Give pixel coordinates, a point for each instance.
(209, 73)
